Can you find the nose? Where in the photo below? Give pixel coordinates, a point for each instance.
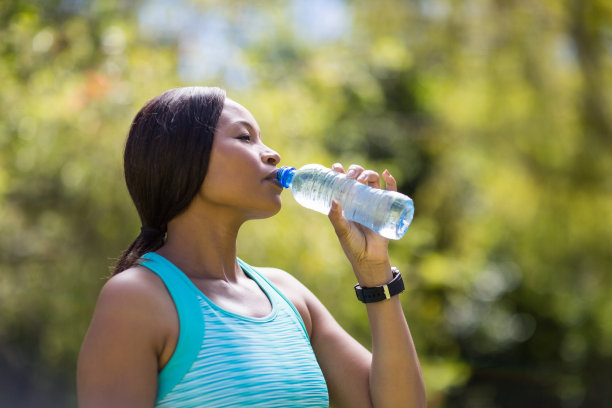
(270, 156)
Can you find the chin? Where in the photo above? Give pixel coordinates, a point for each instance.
(267, 212)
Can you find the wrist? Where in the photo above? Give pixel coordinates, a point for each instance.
(381, 292)
(373, 274)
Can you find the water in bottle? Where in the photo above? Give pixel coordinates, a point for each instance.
(388, 213)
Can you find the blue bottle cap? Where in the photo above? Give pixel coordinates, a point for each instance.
(285, 176)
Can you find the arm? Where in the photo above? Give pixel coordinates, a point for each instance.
(394, 375)
(391, 375)
(345, 363)
(128, 337)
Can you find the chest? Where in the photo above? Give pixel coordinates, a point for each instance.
(245, 299)
(255, 362)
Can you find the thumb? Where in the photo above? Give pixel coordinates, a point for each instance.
(340, 224)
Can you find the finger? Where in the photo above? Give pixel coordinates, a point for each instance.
(370, 178)
(354, 171)
(337, 167)
(390, 182)
(340, 224)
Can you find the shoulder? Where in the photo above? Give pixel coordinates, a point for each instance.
(136, 300)
(128, 340)
(298, 294)
(288, 284)
(279, 277)
(136, 286)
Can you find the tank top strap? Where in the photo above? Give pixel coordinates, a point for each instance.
(191, 324)
(271, 291)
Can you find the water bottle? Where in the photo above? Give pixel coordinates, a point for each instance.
(387, 213)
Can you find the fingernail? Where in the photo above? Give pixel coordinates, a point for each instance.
(350, 173)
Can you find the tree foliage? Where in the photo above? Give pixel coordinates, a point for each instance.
(495, 116)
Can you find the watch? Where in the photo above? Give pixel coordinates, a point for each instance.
(378, 293)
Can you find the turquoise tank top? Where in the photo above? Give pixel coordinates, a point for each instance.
(223, 359)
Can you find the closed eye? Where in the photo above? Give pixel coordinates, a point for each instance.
(245, 137)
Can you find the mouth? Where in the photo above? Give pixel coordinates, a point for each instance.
(272, 178)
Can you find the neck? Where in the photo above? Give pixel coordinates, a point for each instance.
(203, 247)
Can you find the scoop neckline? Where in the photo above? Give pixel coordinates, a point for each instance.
(251, 274)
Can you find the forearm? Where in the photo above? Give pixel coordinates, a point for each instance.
(395, 374)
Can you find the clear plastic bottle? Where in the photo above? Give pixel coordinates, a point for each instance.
(388, 213)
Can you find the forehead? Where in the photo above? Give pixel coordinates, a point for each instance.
(233, 112)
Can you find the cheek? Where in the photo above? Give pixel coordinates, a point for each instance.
(223, 183)
(232, 171)
(219, 171)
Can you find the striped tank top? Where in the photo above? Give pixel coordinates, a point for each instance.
(223, 359)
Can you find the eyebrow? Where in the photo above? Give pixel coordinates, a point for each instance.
(245, 124)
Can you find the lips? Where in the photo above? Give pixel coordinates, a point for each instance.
(272, 178)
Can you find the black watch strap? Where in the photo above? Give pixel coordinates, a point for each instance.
(378, 293)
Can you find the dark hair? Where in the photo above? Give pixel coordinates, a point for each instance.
(165, 160)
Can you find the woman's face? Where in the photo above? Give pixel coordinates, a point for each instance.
(241, 170)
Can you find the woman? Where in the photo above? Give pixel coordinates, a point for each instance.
(184, 323)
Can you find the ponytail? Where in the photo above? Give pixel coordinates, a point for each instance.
(149, 240)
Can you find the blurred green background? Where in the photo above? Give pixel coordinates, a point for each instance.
(495, 116)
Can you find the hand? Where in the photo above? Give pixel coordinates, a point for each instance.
(366, 250)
